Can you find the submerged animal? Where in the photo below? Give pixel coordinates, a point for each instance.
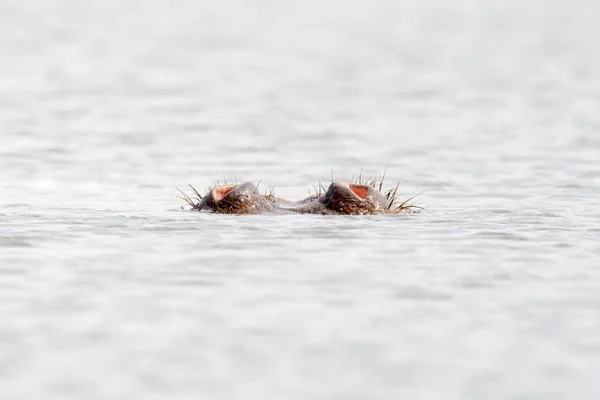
(340, 198)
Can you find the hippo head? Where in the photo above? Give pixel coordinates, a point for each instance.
(355, 199)
(341, 198)
(233, 199)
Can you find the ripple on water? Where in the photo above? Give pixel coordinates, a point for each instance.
(509, 236)
(108, 289)
(16, 242)
(414, 292)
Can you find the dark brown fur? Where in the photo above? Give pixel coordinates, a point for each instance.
(341, 198)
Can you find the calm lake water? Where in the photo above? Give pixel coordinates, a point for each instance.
(490, 109)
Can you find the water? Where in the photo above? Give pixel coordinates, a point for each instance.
(108, 288)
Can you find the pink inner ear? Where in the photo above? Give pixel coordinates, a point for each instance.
(220, 192)
(360, 191)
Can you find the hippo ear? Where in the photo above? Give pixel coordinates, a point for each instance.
(360, 190)
(219, 192)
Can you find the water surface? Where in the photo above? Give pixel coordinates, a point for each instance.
(108, 288)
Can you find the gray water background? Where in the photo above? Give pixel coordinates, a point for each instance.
(109, 290)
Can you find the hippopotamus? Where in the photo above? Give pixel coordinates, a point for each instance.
(340, 198)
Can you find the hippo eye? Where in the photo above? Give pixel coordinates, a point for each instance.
(360, 191)
(220, 192)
